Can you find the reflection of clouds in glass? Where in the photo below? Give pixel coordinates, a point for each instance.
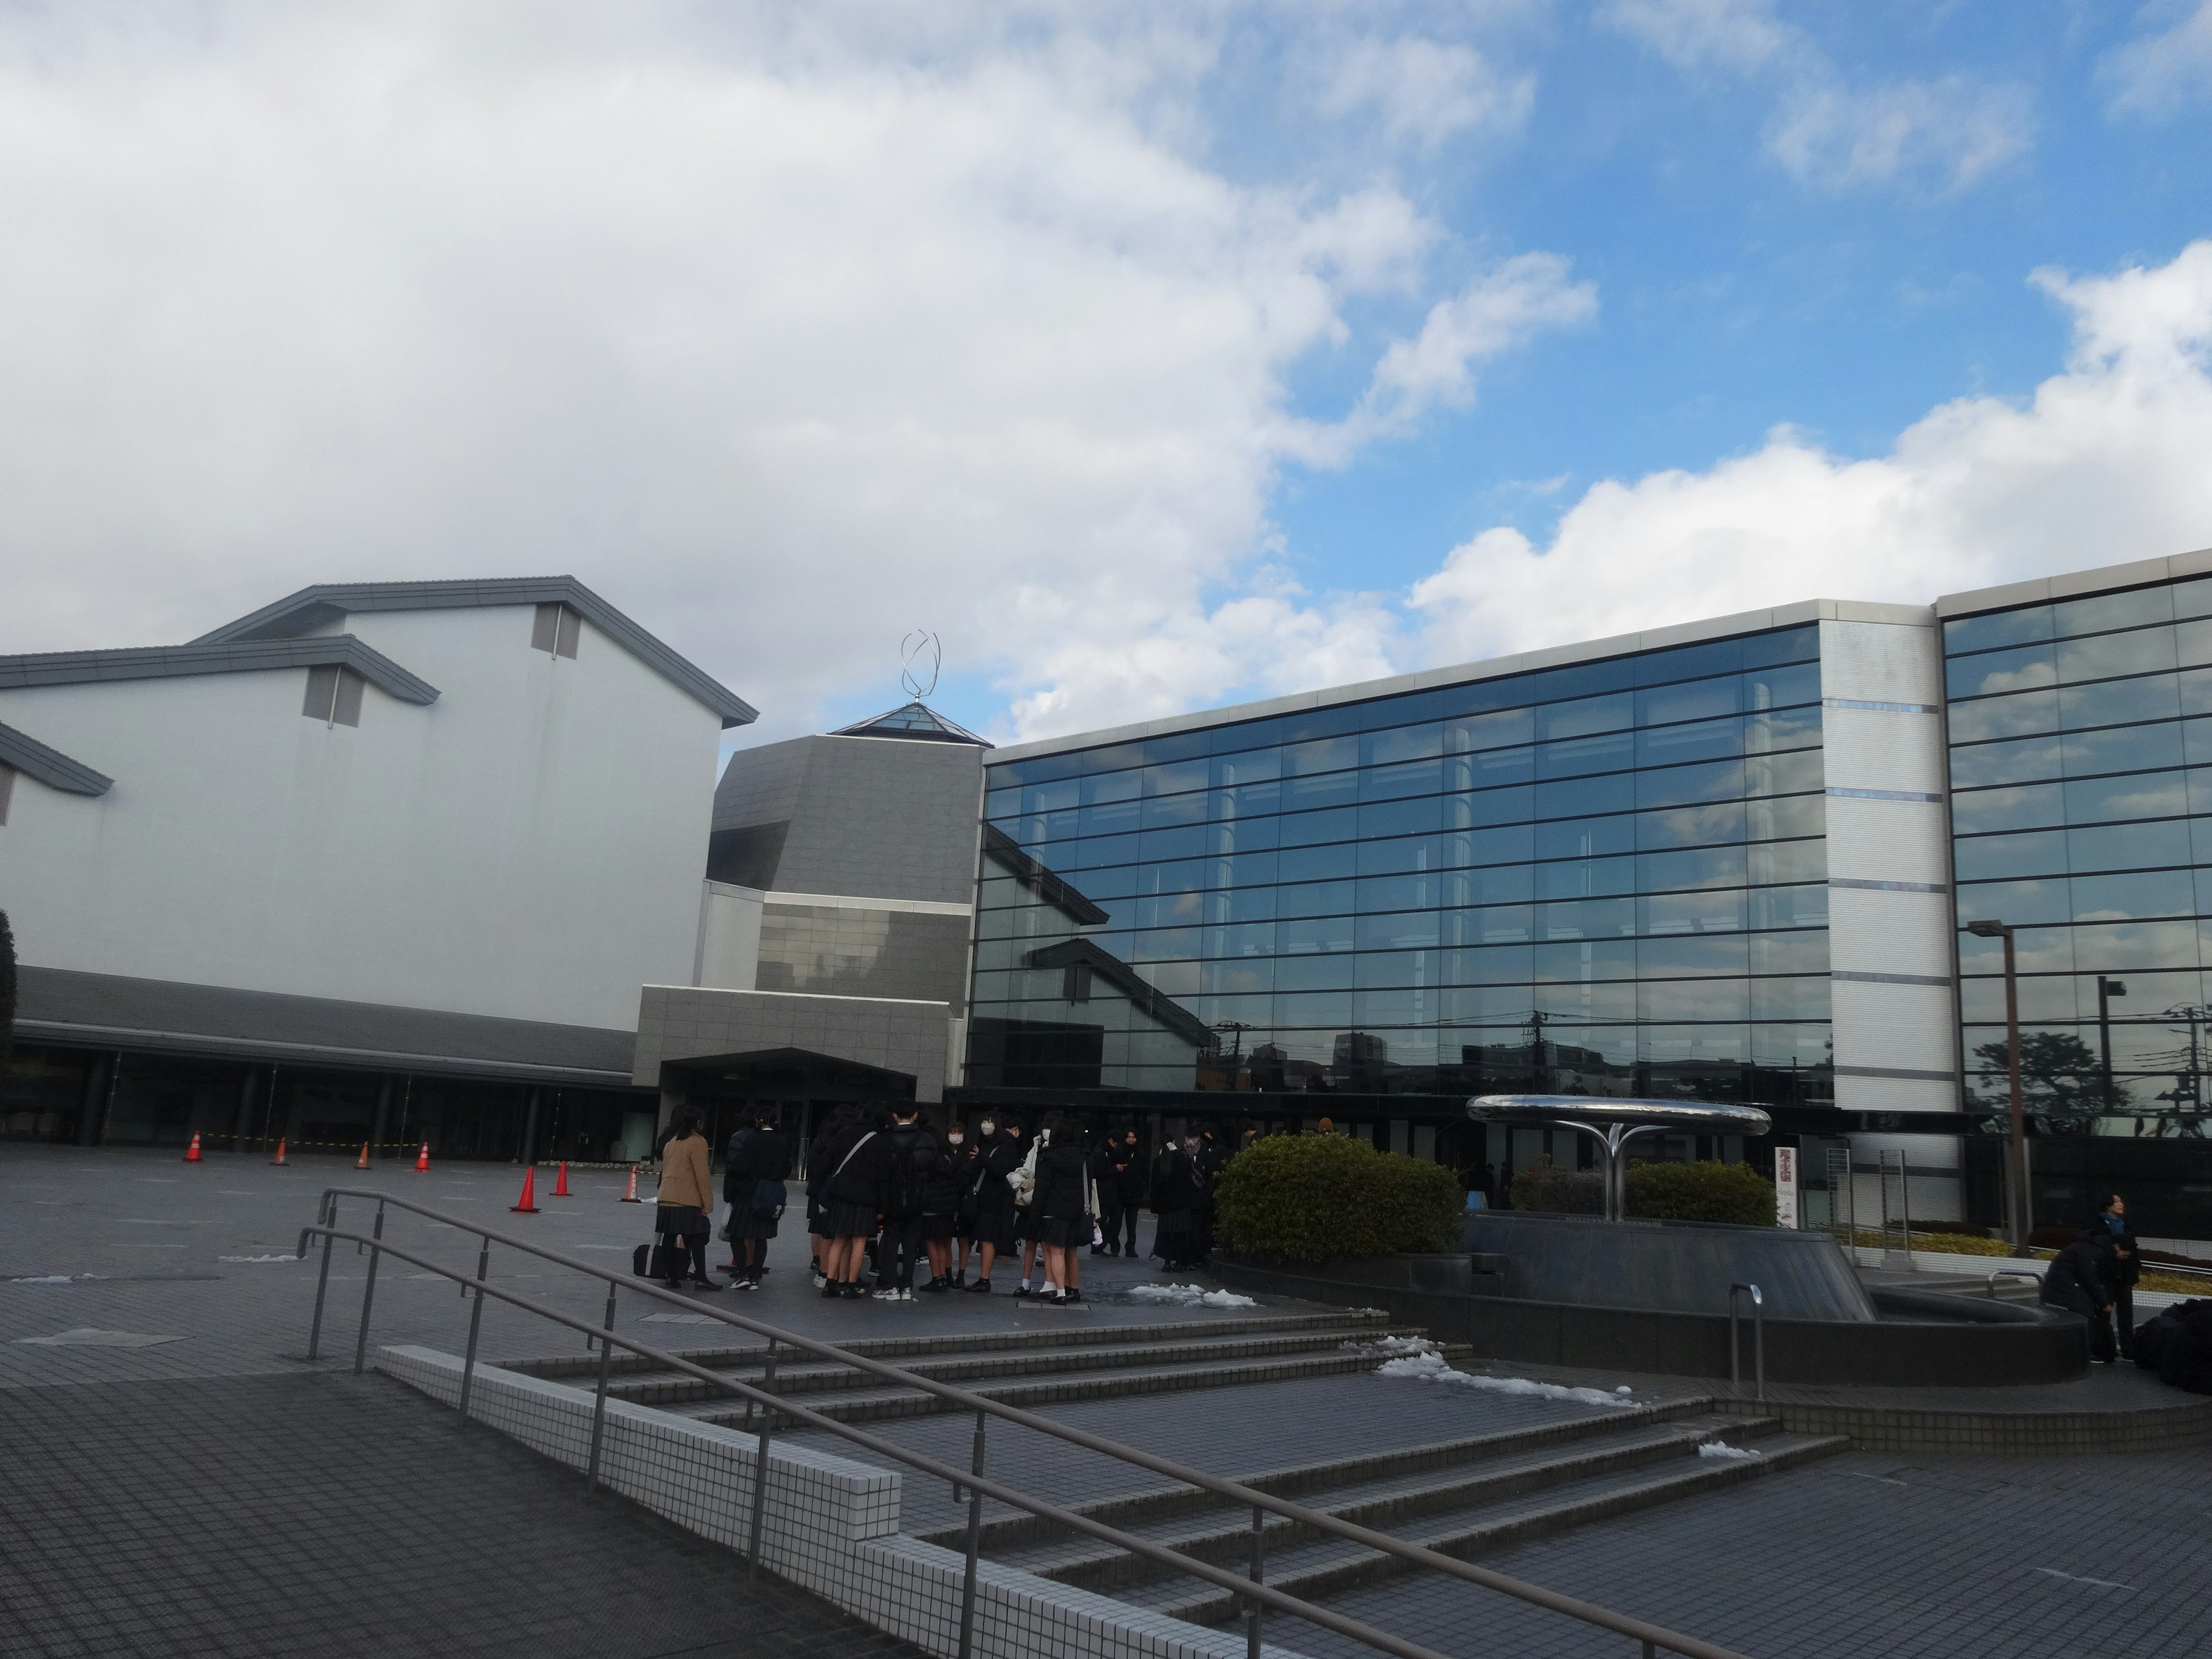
(2028, 677)
(2006, 717)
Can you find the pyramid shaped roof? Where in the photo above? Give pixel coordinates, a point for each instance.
(914, 722)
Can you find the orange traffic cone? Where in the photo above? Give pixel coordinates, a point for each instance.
(631, 1197)
(279, 1158)
(561, 1187)
(527, 1203)
(422, 1160)
(192, 1151)
(362, 1162)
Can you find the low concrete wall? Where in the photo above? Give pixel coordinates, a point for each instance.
(2031, 1346)
(831, 1525)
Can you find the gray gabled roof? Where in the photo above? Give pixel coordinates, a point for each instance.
(1147, 996)
(49, 766)
(158, 662)
(326, 602)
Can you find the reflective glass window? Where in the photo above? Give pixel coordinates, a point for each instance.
(2000, 627)
(1406, 778)
(1785, 818)
(1783, 861)
(1804, 951)
(1307, 828)
(1400, 855)
(1506, 728)
(1506, 884)
(1672, 745)
(1690, 826)
(1579, 797)
(1396, 930)
(1680, 786)
(2121, 749)
(1173, 810)
(1492, 768)
(1804, 906)
(1693, 998)
(1188, 842)
(1320, 755)
(1400, 818)
(1391, 747)
(2128, 846)
(1777, 688)
(1320, 969)
(2100, 611)
(1784, 774)
(1997, 673)
(2140, 795)
(2035, 761)
(1510, 844)
(1585, 877)
(1711, 866)
(2110, 702)
(1306, 863)
(1677, 955)
(1979, 858)
(1977, 811)
(2012, 716)
(2138, 896)
(1246, 766)
(1318, 899)
(1716, 910)
(1696, 700)
(2107, 656)
(2020, 903)
(1583, 838)
(2196, 691)
(2192, 643)
(1329, 789)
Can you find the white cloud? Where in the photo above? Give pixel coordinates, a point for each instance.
(2104, 463)
(1932, 136)
(1423, 91)
(2159, 73)
(786, 336)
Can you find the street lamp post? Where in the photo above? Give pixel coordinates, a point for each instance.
(2106, 990)
(2019, 1206)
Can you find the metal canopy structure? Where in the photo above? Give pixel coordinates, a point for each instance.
(1614, 1123)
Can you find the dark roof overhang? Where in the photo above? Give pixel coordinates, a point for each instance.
(1148, 998)
(49, 766)
(1003, 850)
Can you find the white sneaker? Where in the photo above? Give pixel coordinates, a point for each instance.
(906, 1296)
(821, 1278)
(886, 1296)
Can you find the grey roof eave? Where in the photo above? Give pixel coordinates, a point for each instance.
(229, 657)
(316, 606)
(49, 766)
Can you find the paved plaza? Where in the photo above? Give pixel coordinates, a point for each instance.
(184, 1481)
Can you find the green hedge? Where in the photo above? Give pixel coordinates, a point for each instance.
(1701, 1191)
(1329, 1198)
(1545, 1186)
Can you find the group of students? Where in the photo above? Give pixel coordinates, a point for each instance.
(881, 1182)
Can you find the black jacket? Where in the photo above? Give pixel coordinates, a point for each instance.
(1063, 1170)
(755, 1156)
(910, 1151)
(1178, 1181)
(1001, 1156)
(851, 1166)
(2082, 1277)
(1129, 1165)
(818, 1171)
(2125, 1270)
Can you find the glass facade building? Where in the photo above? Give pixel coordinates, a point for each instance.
(1609, 877)
(2080, 757)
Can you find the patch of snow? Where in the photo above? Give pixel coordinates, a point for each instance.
(257, 1258)
(1190, 1296)
(56, 1278)
(1720, 1448)
(1393, 1346)
(1430, 1367)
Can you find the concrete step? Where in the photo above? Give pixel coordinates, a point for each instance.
(1223, 1534)
(964, 1368)
(1311, 1482)
(1079, 1330)
(1331, 1566)
(877, 1403)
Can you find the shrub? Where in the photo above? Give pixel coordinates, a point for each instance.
(1323, 1198)
(1701, 1191)
(1545, 1186)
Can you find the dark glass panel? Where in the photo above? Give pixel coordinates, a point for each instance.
(2192, 643)
(1325, 1010)
(1605, 918)
(1501, 846)
(1246, 904)
(2107, 656)
(2004, 717)
(1055, 797)
(1177, 777)
(1506, 884)
(1720, 910)
(1778, 688)
(1248, 800)
(1491, 769)
(1331, 789)
(1677, 955)
(1585, 877)
(2100, 611)
(1615, 712)
(1246, 734)
(2001, 672)
(1181, 875)
(1784, 818)
(1783, 645)
(1399, 856)
(1345, 720)
(1318, 899)
(1584, 1001)
(1170, 910)
(1501, 964)
(1687, 1046)
(1790, 773)
(1400, 743)
(2042, 996)
(2137, 896)
(1997, 629)
(1576, 756)
(1406, 778)
(1785, 1047)
(2129, 846)
(1676, 1001)
(1576, 960)
(1581, 680)
(2192, 597)
(1690, 826)
(1705, 740)
(1986, 858)
(2145, 795)
(1318, 863)
(1247, 869)
(1244, 836)
(1375, 969)
(1402, 892)
(1712, 866)
(1308, 829)
(1694, 662)
(1696, 700)
(1178, 746)
(1583, 838)
(2124, 749)
(1683, 785)
(1789, 998)
(1250, 939)
(2116, 947)
(1508, 728)
(1399, 930)
(1804, 952)
(1400, 818)
(1330, 970)
(1185, 841)
(1396, 1006)
(1783, 728)
(1112, 785)
(1581, 797)
(1804, 906)
(1115, 757)
(2030, 761)
(1483, 808)
(1780, 861)
(1320, 755)
(1171, 809)
(2114, 703)
(1980, 811)
(1250, 766)
(2196, 691)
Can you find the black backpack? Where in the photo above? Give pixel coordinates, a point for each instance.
(906, 1180)
(2185, 1359)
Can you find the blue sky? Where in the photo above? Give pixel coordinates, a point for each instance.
(1156, 356)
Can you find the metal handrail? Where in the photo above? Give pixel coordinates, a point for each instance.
(1757, 1338)
(2016, 1273)
(1655, 1637)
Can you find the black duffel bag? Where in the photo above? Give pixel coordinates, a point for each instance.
(657, 1262)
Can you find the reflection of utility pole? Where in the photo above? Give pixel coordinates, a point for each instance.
(2192, 1088)
(1237, 1042)
(2106, 990)
(1540, 1074)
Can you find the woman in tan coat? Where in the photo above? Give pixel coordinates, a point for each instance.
(686, 1201)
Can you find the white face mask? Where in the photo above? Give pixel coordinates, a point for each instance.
(956, 1137)
(987, 1128)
